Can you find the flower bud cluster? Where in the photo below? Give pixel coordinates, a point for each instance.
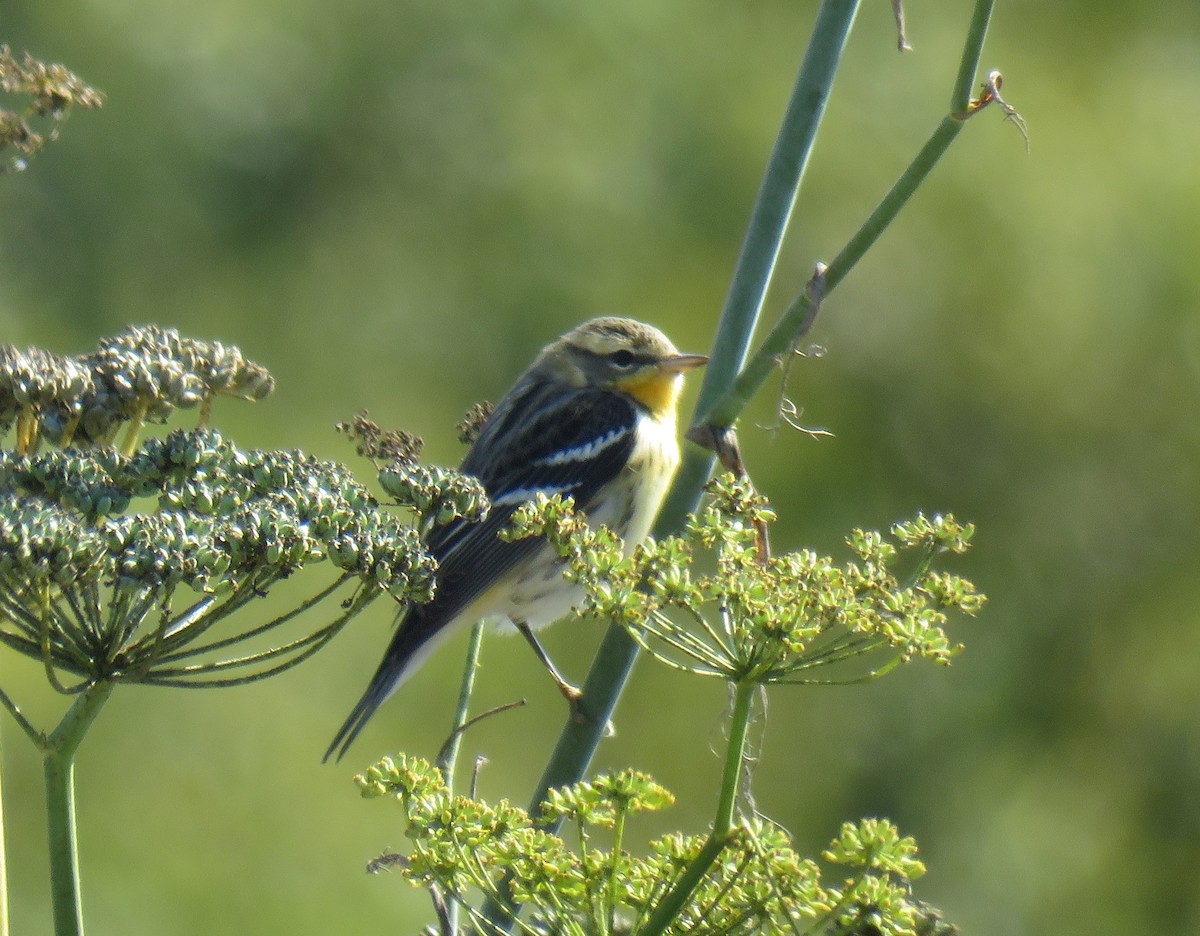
(437, 495)
(758, 884)
(52, 89)
(142, 374)
(761, 618)
(112, 563)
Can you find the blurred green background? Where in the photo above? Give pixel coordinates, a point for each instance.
(394, 205)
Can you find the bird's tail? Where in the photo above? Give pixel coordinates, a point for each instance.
(413, 641)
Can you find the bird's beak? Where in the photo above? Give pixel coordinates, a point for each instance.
(681, 362)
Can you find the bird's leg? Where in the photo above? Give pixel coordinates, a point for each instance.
(569, 692)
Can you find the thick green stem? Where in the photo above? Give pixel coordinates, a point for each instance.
(968, 66)
(764, 235)
(777, 195)
(735, 753)
(59, 765)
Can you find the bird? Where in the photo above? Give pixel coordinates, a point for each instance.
(592, 418)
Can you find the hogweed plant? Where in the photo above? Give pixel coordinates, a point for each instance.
(753, 621)
(120, 558)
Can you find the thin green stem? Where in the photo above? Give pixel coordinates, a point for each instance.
(59, 767)
(133, 431)
(735, 755)
(615, 867)
(798, 316)
(668, 908)
(26, 725)
(3, 868)
(449, 754)
(223, 610)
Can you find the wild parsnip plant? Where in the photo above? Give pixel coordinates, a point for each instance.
(754, 620)
(131, 561)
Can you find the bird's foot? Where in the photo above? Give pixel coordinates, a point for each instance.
(574, 697)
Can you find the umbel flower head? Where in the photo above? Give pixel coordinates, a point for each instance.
(115, 563)
(140, 376)
(760, 618)
(758, 884)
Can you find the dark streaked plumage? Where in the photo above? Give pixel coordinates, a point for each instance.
(593, 418)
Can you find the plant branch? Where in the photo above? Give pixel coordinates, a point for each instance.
(972, 51)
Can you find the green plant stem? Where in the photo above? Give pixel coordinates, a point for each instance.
(449, 755)
(26, 726)
(735, 752)
(797, 317)
(777, 194)
(764, 235)
(968, 65)
(724, 410)
(59, 765)
(3, 869)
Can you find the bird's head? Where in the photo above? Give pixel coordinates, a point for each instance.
(623, 355)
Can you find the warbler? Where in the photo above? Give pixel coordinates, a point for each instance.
(592, 418)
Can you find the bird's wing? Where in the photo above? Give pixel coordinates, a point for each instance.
(571, 444)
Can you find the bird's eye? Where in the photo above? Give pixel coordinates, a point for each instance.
(622, 358)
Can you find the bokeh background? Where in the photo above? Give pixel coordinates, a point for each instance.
(394, 205)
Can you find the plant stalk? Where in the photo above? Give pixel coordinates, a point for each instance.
(764, 237)
(724, 410)
(3, 870)
(449, 755)
(668, 908)
(59, 766)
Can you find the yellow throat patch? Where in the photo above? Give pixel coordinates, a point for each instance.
(658, 391)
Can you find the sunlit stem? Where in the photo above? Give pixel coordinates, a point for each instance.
(449, 755)
(134, 430)
(59, 766)
(668, 908)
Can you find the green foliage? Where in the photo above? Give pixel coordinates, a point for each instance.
(761, 618)
(759, 884)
